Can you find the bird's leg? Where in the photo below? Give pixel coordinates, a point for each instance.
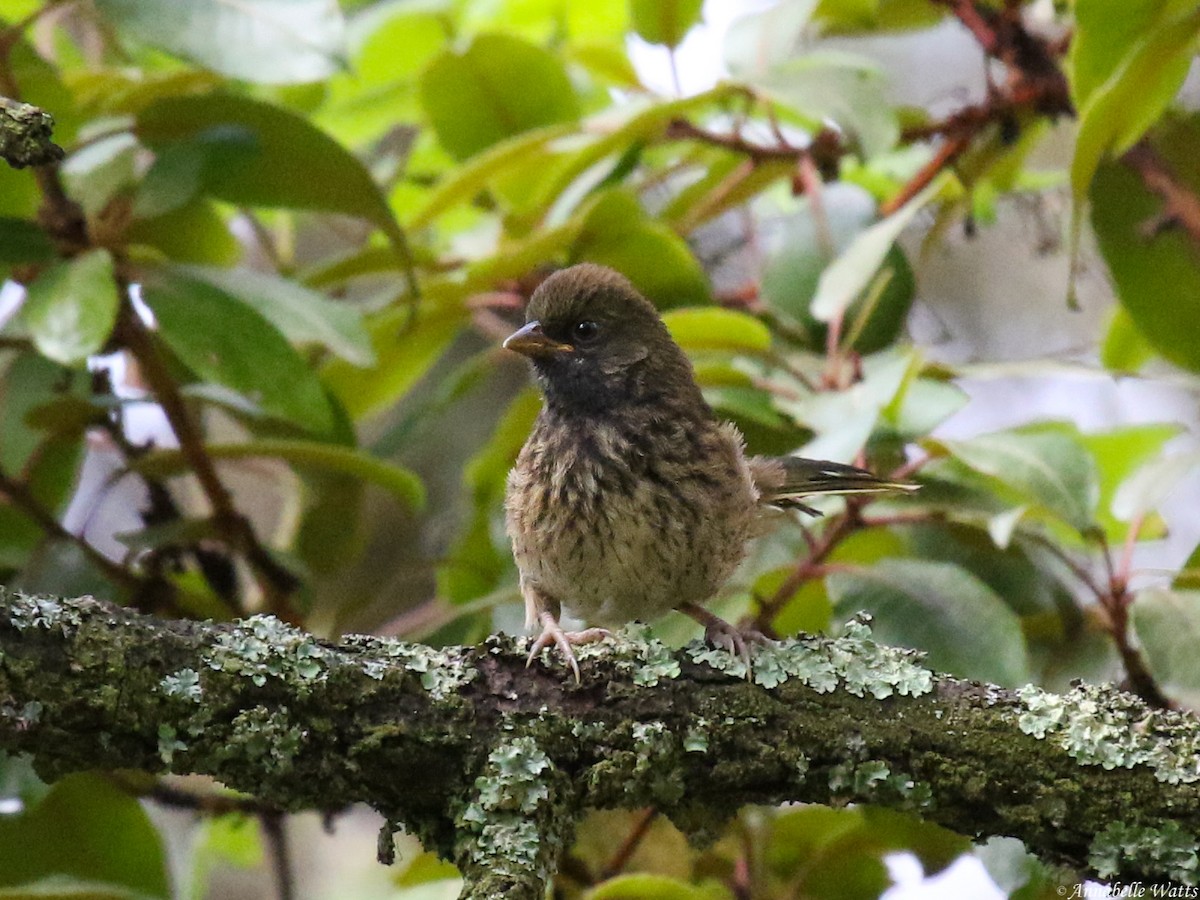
(544, 609)
(720, 633)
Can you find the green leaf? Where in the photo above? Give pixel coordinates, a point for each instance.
(617, 233)
(71, 307)
(1124, 349)
(401, 483)
(876, 320)
(57, 887)
(1045, 465)
(303, 315)
(498, 87)
(808, 610)
(1156, 270)
(19, 780)
(654, 258)
(88, 829)
(41, 84)
(256, 154)
(868, 17)
(964, 626)
(761, 40)
(192, 233)
(228, 840)
(828, 854)
(846, 277)
(715, 328)
(1119, 454)
(608, 63)
(225, 341)
(29, 384)
(1007, 862)
(1143, 82)
(936, 847)
(924, 405)
(844, 87)
(464, 182)
(1007, 570)
(655, 887)
(22, 241)
(845, 420)
(1188, 576)
(234, 839)
(798, 836)
(1153, 483)
(1167, 624)
(809, 242)
(473, 566)
(99, 171)
(390, 43)
(1100, 38)
(664, 21)
(425, 868)
(406, 345)
(265, 41)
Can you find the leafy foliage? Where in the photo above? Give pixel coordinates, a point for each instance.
(288, 236)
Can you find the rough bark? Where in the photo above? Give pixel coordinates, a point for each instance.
(25, 135)
(490, 763)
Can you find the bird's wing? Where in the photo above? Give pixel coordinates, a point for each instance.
(784, 480)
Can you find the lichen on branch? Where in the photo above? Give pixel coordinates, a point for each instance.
(25, 133)
(509, 757)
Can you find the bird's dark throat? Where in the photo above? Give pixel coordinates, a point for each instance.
(576, 387)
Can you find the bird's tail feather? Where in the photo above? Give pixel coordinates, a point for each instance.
(785, 480)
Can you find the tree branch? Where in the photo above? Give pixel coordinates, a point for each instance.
(1181, 207)
(490, 763)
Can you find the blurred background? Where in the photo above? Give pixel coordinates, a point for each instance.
(251, 361)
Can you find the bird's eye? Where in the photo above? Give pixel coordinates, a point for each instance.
(586, 331)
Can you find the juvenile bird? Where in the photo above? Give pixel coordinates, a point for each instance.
(630, 498)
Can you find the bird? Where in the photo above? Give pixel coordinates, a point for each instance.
(630, 497)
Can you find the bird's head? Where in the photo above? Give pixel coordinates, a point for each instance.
(597, 344)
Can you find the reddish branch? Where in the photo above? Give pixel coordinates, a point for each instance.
(1180, 206)
(1115, 600)
(823, 151)
(620, 859)
(811, 566)
(1034, 84)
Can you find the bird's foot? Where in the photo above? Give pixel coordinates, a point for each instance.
(737, 641)
(552, 633)
(719, 633)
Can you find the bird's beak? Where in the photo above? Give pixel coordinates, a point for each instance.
(531, 341)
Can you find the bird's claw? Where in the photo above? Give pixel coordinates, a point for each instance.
(735, 641)
(552, 633)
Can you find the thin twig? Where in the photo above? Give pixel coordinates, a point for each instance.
(1116, 601)
(209, 803)
(1180, 205)
(620, 859)
(945, 157)
(274, 825)
(839, 528)
(674, 62)
(274, 580)
(21, 498)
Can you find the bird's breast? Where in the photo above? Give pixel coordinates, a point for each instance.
(621, 523)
